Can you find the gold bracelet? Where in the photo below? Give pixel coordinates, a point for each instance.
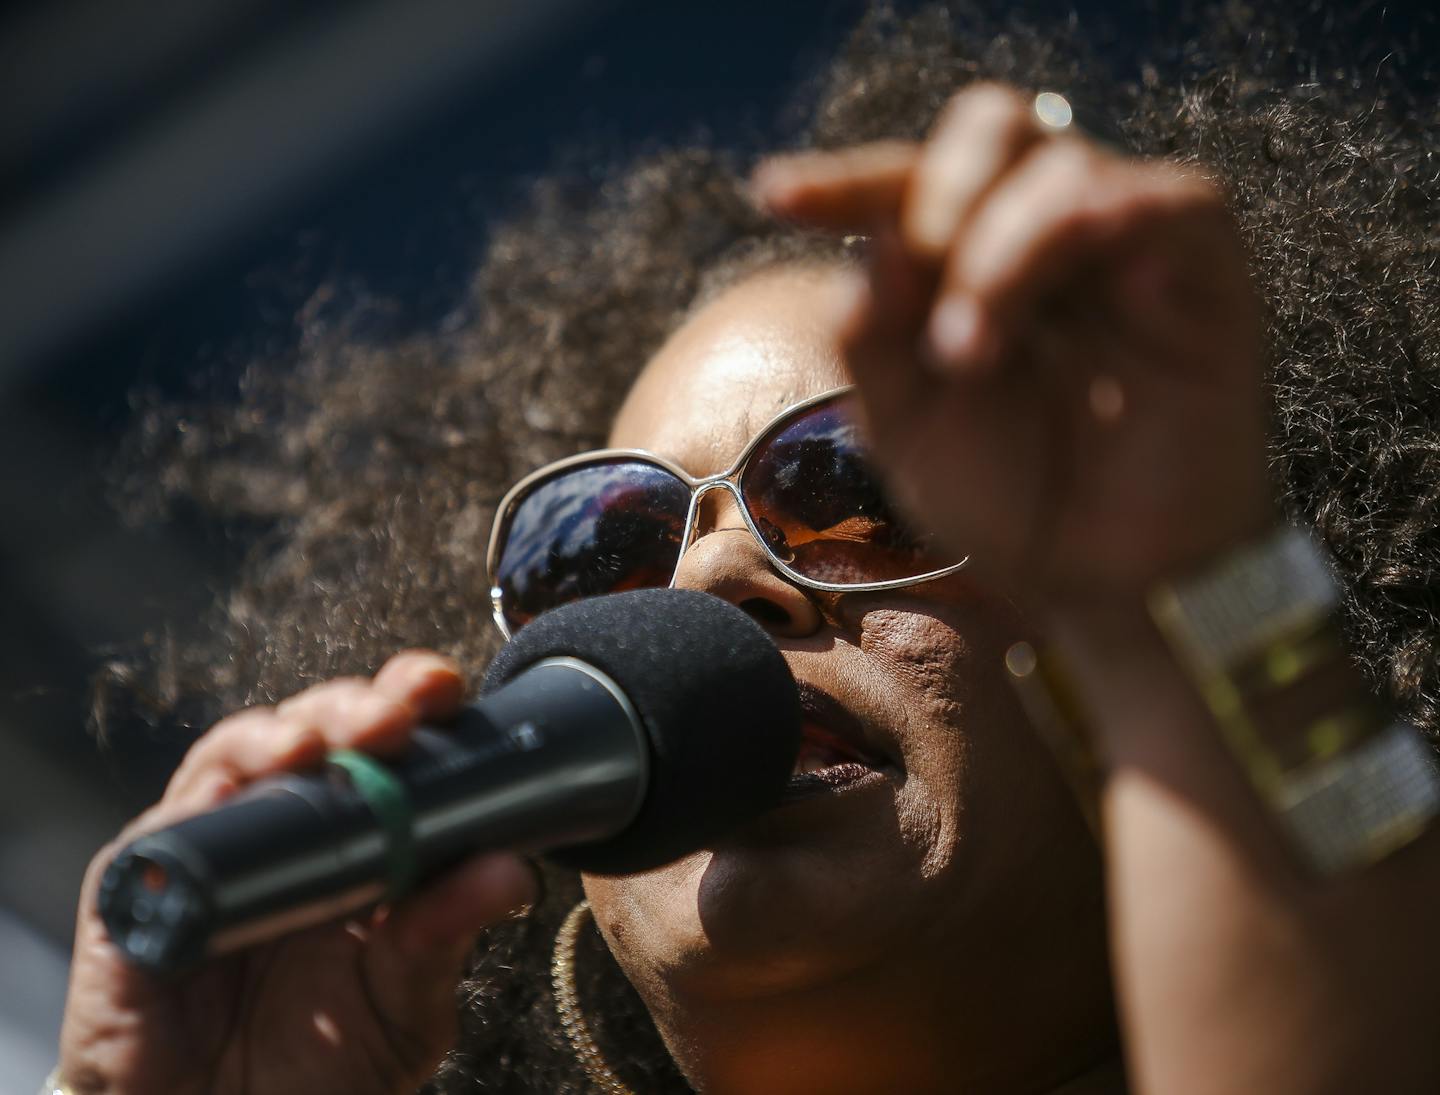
(1348, 785)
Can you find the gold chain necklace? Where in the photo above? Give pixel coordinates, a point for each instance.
(567, 1005)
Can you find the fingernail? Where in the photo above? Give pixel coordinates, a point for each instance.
(955, 331)
(407, 672)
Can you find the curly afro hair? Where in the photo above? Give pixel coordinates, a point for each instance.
(373, 469)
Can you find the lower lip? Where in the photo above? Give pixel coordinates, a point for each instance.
(833, 780)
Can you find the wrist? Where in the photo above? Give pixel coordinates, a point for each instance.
(1250, 646)
(1125, 682)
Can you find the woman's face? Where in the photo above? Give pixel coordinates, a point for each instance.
(964, 878)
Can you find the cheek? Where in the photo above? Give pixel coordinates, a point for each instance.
(927, 667)
(960, 728)
(650, 920)
(921, 653)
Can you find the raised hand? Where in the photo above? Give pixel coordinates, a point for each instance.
(1061, 356)
(366, 1006)
(1059, 349)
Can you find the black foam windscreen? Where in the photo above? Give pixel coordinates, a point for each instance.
(717, 700)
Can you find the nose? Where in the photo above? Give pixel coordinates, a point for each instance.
(726, 560)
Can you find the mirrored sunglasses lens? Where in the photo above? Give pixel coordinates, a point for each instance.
(600, 528)
(819, 506)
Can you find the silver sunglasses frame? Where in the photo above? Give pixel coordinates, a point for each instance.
(728, 480)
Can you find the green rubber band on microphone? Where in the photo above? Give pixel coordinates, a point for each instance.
(390, 802)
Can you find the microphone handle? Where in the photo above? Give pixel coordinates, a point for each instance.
(557, 757)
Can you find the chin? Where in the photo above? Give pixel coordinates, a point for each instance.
(804, 895)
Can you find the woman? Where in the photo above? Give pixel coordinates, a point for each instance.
(1059, 361)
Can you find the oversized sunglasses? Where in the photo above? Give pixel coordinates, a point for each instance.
(618, 519)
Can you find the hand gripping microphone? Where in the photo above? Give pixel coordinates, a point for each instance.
(615, 734)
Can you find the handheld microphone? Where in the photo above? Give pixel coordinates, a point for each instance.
(614, 734)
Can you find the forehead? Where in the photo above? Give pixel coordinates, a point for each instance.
(744, 357)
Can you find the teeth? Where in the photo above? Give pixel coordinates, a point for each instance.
(815, 757)
(808, 764)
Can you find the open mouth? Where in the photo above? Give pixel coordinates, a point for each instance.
(821, 749)
(834, 752)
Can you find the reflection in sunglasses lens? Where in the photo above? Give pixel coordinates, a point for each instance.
(601, 528)
(810, 488)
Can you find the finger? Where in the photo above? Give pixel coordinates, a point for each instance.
(851, 190)
(346, 713)
(980, 136)
(879, 338)
(417, 954)
(429, 683)
(1057, 206)
(242, 747)
(351, 713)
(1086, 205)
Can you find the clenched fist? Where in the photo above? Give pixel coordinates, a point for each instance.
(1059, 349)
(366, 1006)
